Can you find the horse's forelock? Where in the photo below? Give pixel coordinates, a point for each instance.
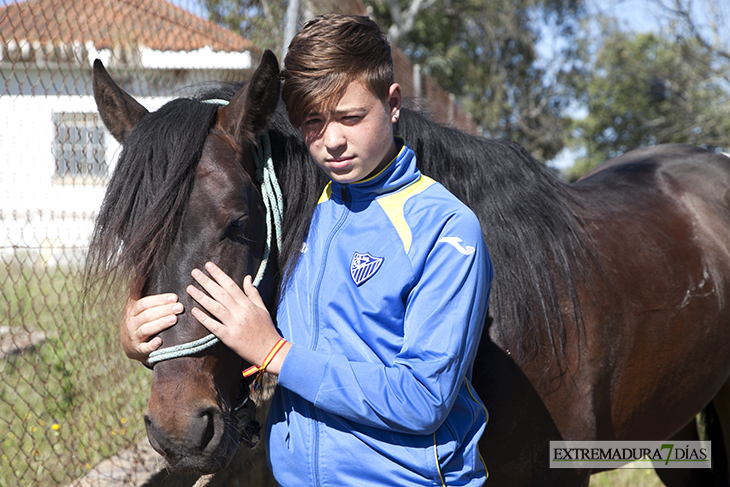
(149, 190)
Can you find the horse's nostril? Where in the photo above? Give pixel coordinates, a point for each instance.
(157, 438)
(207, 418)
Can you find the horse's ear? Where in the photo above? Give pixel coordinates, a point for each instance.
(119, 111)
(250, 110)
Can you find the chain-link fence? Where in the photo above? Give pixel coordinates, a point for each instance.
(71, 404)
(69, 399)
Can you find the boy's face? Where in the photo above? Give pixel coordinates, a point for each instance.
(355, 140)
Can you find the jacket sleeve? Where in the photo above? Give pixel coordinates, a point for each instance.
(445, 314)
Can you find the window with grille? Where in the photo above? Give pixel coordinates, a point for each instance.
(80, 148)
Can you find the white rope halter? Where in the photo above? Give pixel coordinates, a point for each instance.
(273, 203)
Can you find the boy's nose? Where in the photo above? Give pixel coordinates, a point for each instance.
(333, 137)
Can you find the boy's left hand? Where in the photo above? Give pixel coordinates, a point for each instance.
(242, 322)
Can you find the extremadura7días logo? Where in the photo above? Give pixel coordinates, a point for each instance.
(630, 454)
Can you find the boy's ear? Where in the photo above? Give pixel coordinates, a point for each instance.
(395, 101)
(251, 108)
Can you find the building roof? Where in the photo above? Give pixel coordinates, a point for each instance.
(110, 22)
(67, 30)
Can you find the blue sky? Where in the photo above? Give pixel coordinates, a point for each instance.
(635, 15)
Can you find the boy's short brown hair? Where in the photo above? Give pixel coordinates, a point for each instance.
(326, 55)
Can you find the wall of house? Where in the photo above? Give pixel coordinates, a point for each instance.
(38, 212)
(44, 218)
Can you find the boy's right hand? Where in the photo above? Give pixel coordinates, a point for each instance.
(145, 318)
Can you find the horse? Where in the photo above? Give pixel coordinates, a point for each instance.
(608, 319)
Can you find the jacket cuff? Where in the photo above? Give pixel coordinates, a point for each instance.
(302, 372)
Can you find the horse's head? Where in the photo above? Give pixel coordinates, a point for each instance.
(185, 192)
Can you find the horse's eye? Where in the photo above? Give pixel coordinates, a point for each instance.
(236, 226)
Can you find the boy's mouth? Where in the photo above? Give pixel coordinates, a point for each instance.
(339, 162)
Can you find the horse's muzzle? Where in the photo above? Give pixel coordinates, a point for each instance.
(203, 441)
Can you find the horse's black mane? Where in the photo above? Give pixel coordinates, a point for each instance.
(532, 233)
(527, 215)
(148, 192)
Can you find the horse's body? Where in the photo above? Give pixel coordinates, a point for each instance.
(608, 320)
(653, 349)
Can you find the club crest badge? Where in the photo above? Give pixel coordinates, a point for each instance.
(364, 266)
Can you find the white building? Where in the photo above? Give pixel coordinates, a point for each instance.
(55, 155)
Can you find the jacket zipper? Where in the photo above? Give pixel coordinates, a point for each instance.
(315, 323)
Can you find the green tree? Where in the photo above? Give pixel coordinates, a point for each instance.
(485, 53)
(645, 90)
(258, 20)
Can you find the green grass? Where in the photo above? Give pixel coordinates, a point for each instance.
(72, 400)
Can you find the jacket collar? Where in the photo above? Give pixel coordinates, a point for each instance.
(399, 173)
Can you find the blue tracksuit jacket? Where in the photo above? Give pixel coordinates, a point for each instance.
(385, 310)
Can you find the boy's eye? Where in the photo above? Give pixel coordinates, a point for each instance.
(351, 119)
(312, 121)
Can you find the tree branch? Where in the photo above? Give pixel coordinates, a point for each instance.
(683, 12)
(403, 24)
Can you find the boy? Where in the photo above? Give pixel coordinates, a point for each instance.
(384, 309)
